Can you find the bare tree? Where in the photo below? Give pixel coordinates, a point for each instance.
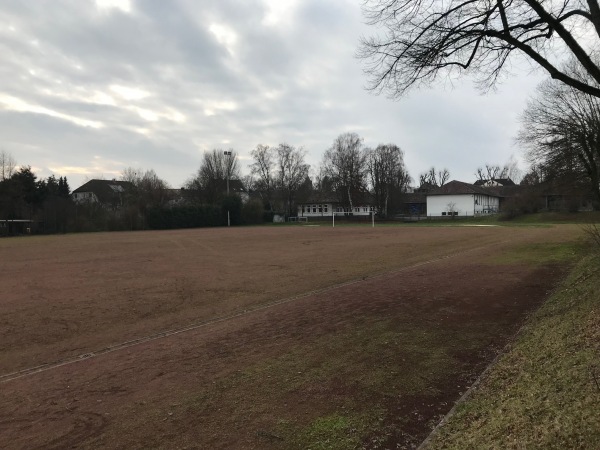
(291, 172)
(533, 177)
(428, 39)
(7, 165)
(209, 183)
(345, 164)
(149, 191)
(491, 172)
(131, 175)
(561, 131)
(322, 181)
(387, 174)
(155, 191)
(513, 171)
(434, 177)
(451, 209)
(249, 182)
(510, 170)
(263, 168)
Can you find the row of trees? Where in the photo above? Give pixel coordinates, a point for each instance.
(561, 132)
(280, 175)
(349, 172)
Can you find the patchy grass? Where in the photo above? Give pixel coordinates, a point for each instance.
(371, 365)
(539, 253)
(360, 373)
(545, 392)
(545, 219)
(332, 432)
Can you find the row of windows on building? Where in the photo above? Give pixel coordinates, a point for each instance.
(324, 208)
(84, 195)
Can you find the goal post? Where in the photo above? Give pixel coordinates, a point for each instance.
(347, 214)
(298, 219)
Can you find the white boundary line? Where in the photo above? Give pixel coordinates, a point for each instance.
(5, 378)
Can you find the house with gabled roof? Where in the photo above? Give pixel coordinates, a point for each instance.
(107, 193)
(457, 198)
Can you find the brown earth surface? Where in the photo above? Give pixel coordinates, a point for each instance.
(377, 331)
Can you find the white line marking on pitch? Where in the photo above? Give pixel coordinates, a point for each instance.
(5, 378)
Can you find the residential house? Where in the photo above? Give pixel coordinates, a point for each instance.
(107, 193)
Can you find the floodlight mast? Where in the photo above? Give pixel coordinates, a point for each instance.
(228, 153)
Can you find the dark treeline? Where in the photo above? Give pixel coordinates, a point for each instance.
(563, 147)
(141, 200)
(33, 201)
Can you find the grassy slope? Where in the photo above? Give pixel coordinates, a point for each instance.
(545, 392)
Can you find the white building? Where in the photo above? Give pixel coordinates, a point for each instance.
(326, 208)
(462, 199)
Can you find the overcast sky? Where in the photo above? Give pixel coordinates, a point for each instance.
(90, 87)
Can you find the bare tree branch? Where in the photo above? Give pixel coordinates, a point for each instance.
(345, 163)
(561, 130)
(424, 40)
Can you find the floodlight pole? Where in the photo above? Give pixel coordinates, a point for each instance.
(228, 153)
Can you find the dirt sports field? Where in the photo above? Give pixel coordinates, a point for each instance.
(259, 337)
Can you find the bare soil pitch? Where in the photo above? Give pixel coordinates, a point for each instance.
(384, 356)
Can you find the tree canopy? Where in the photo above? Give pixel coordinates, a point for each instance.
(345, 163)
(561, 131)
(426, 39)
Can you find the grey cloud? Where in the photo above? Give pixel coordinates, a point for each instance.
(297, 82)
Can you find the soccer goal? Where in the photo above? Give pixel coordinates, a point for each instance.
(347, 214)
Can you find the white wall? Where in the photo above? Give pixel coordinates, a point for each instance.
(485, 204)
(464, 204)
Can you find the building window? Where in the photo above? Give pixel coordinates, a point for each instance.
(314, 208)
(320, 208)
(325, 208)
(443, 213)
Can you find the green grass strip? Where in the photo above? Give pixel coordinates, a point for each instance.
(545, 391)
